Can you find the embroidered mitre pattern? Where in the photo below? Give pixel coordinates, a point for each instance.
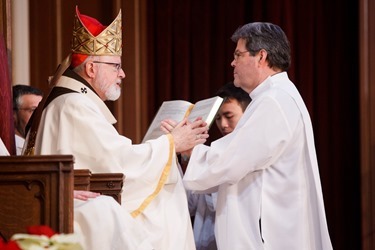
(107, 43)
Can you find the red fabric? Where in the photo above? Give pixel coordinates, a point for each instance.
(94, 27)
(6, 102)
(77, 59)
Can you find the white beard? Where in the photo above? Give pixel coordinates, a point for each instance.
(113, 92)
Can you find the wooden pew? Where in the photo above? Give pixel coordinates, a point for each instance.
(36, 190)
(108, 184)
(105, 183)
(82, 179)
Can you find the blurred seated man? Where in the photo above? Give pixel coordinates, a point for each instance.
(25, 101)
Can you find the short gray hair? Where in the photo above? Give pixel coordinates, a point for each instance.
(269, 37)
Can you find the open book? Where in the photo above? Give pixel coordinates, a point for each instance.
(177, 110)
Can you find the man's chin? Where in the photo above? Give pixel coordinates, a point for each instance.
(113, 96)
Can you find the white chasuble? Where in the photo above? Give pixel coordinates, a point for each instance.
(122, 231)
(80, 124)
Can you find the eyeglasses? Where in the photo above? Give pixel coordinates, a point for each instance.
(30, 110)
(238, 54)
(117, 65)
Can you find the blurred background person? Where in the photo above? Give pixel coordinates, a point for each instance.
(25, 101)
(202, 206)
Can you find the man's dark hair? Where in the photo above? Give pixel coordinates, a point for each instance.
(269, 37)
(20, 90)
(229, 91)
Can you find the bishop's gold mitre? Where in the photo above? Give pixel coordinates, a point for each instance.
(107, 43)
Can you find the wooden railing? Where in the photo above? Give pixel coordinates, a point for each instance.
(105, 183)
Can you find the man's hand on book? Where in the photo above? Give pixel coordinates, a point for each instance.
(186, 134)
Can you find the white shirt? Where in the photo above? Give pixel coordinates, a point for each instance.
(266, 174)
(20, 141)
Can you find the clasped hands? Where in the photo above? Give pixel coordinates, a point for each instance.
(186, 134)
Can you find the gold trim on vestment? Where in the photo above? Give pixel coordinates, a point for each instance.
(162, 180)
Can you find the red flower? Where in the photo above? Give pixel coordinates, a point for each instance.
(10, 245)
(35, 230)
(41, 230)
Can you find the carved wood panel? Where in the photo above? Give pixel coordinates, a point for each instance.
(36, 190)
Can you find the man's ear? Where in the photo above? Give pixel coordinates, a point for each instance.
(262, 55)
(90, 69)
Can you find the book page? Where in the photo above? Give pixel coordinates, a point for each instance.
(175, 110)
(206, 109)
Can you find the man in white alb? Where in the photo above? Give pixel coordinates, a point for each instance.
(265, 171)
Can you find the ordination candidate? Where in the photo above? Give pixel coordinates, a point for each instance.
(265, 171)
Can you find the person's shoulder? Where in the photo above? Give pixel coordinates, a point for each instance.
(69, 101)
(73, 98)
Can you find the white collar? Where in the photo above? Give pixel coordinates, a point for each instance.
(79, 87)
(267, 83)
